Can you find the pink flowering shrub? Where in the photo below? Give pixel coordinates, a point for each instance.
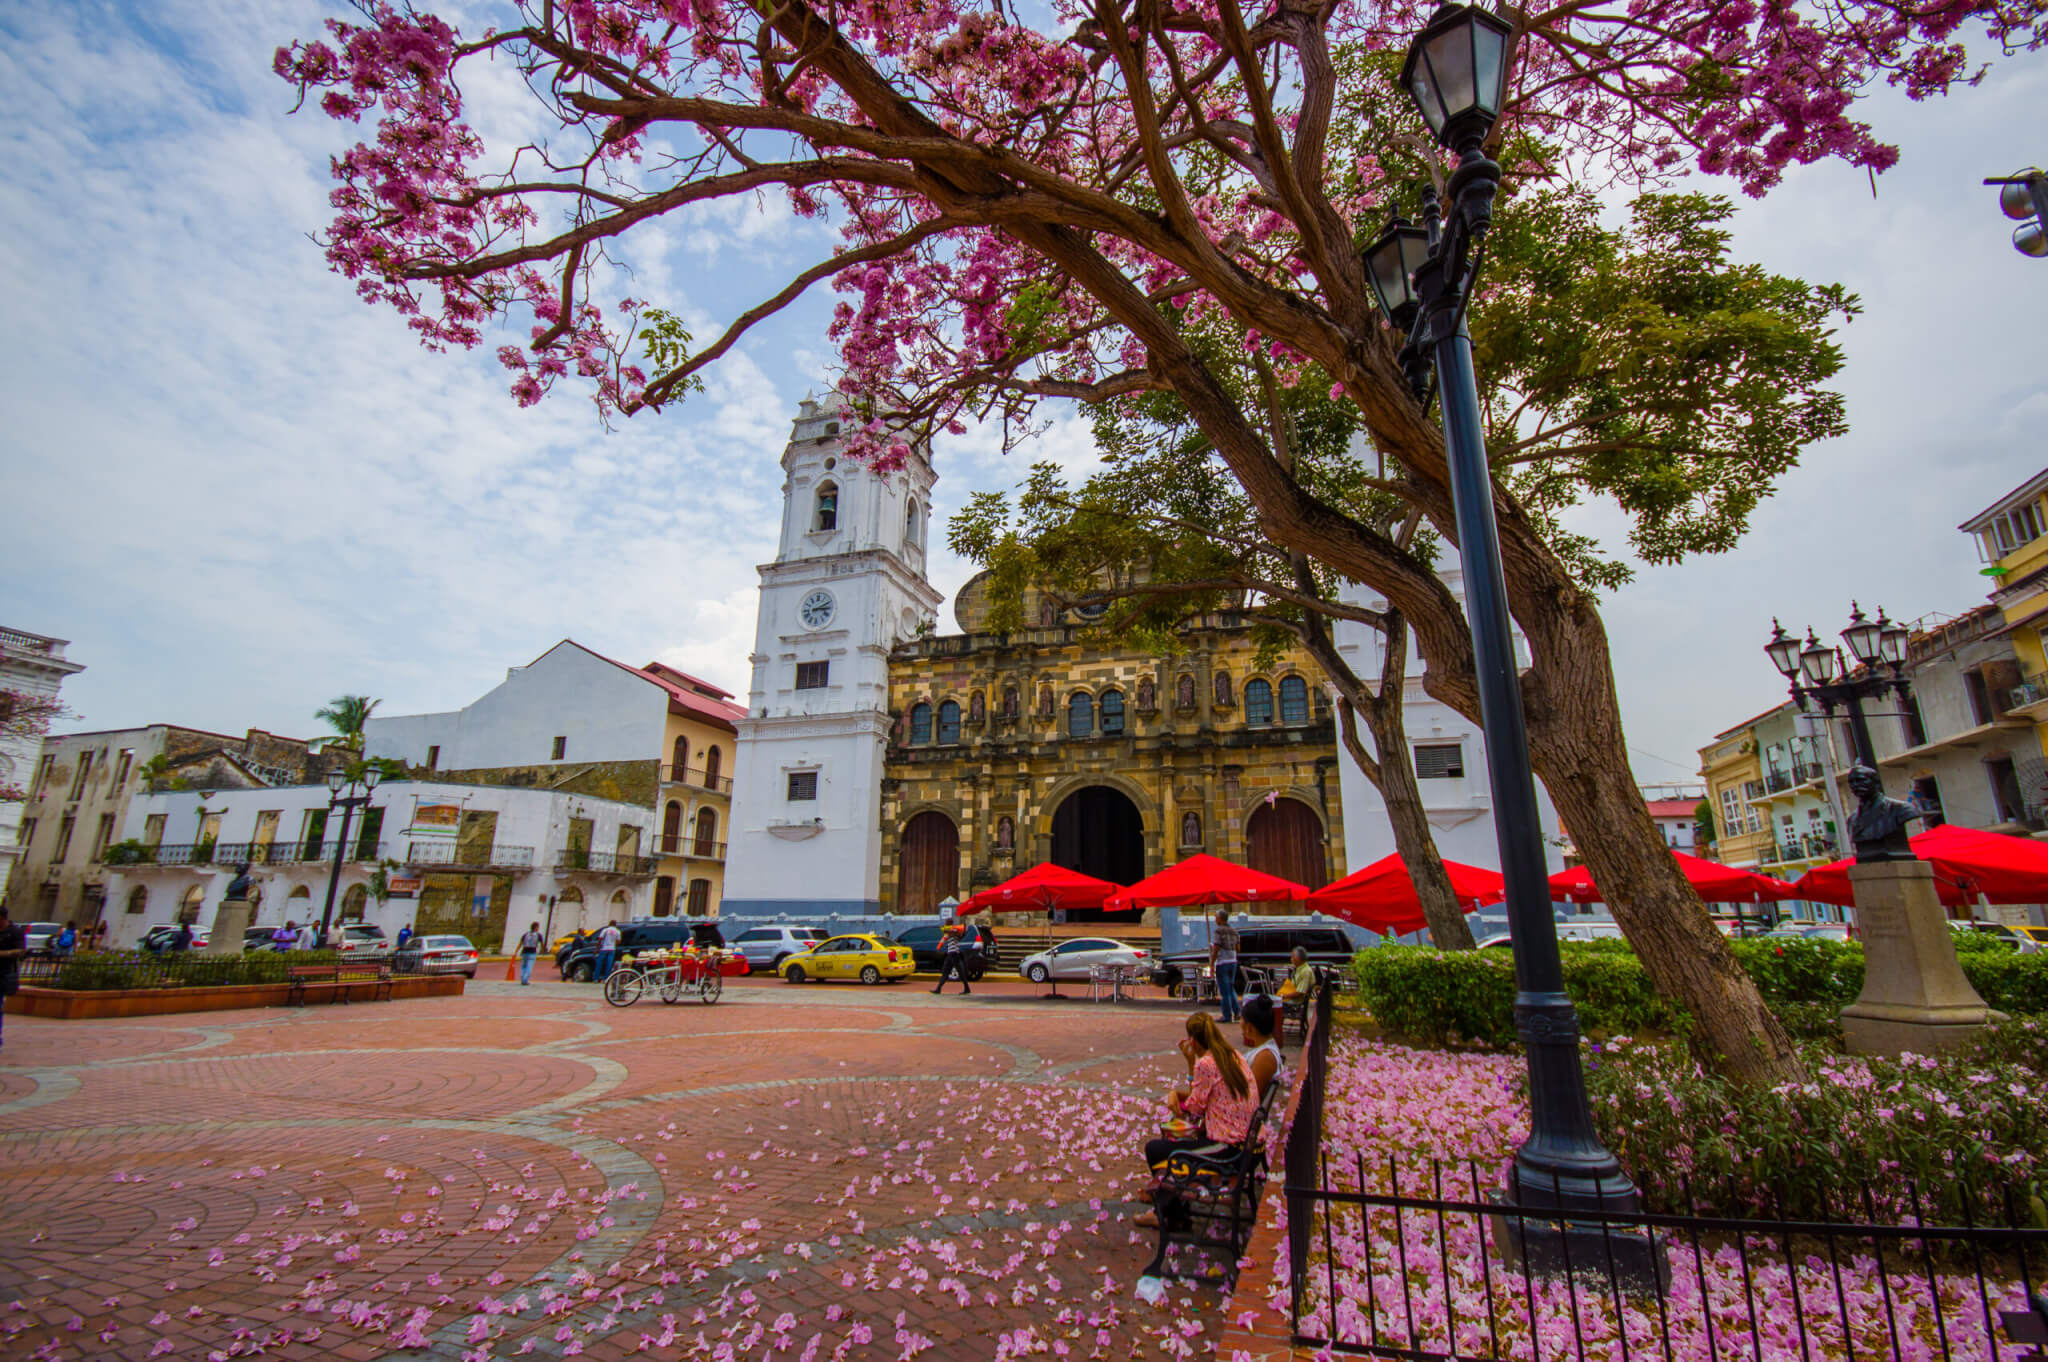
(1941, 1139)
(1414, 1279)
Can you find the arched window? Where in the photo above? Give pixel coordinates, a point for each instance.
(1081, 715)
(831, 427)
(949, 722)
(1258, 701)
(1293, 700)
(189, 906)
(713, 760)
(1112, 713)
(138, 899)
(707, 833)
(679, 759)
(622, 905)
(910, 524)
(920, 724)
(671, 829)
(827, 516)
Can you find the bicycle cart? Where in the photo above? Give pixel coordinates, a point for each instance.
(673, 976)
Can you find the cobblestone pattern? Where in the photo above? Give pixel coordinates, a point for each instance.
(835, 1172)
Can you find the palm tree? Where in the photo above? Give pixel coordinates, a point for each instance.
(346, 715)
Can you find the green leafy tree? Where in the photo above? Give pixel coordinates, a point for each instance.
(346, 715)
(1637, 364)
(1703, 824)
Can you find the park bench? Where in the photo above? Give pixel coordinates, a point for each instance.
(340, 975)
(1208, 1197)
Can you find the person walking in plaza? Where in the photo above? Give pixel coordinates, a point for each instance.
(13, 948)
(529, 946)
(66, 942)
(285, 938)
(1223, 964)
(953, 957)
(309, 937)
(404, 935)
(607, 950)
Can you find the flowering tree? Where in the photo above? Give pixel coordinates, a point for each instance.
(1046, 211)
(24, 714)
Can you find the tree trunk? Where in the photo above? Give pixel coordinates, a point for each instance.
(1577, 746)
(1412, 835)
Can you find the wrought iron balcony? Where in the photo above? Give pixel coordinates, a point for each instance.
(469, 856)
(688, 844)
(604, 862)
(2031, 691)
(677, 775)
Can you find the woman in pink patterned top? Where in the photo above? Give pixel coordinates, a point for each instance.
(1219, 1100)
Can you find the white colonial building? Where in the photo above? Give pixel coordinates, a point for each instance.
(34, 667)
(513, 855)
(846, 586)
(1449, 752)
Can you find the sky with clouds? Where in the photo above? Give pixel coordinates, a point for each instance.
(240, 492)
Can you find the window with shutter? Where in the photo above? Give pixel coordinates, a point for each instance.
(1439, 761)
(803, 785)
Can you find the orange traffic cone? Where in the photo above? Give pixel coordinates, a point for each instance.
(511, 968)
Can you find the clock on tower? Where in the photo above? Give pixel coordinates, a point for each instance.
(817, 609)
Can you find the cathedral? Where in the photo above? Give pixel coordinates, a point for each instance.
(890, 761)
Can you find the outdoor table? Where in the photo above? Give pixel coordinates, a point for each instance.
(1126, 977)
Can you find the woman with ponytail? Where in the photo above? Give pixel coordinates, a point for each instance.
(1218, 1102)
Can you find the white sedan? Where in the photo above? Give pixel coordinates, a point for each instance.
(1073, 959)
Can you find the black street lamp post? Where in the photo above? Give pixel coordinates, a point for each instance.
(1456, 73)
(1817, 672)
(338, 780)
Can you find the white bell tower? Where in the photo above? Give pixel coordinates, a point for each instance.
(846, 586)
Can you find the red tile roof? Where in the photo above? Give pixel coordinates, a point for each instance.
(1672, 808)
(686, 694)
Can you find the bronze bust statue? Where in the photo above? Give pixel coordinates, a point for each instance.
(238, 887)
(1878, 827)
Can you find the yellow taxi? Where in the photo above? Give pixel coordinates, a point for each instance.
(870, 959)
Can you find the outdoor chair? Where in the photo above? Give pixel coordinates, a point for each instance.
(1207, 1199)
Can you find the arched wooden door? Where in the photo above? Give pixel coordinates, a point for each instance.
(928, 870)
(672, 828)
(713, 759)
(1285, 838)
(707, 832)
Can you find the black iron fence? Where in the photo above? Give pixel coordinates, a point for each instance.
(1419, 1259)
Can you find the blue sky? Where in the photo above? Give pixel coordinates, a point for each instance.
(240, 492)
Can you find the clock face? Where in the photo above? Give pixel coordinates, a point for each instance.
(816, 610)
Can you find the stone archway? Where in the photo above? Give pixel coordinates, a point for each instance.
(1098, 831)
(928, 863)
(1285, 838)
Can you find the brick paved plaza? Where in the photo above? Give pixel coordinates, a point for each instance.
(830, 1172)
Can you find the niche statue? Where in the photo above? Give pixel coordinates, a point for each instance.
(1878, 827)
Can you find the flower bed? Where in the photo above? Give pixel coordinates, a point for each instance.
(1417, 1279)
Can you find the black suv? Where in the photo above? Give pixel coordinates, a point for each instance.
(578, 959)
(1267, 947)
(924, 948)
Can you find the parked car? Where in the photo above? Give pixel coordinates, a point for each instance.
(866, 956)
(1266, 947)
(767, 947)
(159, 938)
(1829, 931)
(1073, 959)
(364, 941)
(924, 948)
(579, 962)
(436, 955)
(40, 936)
(2022, 942)
(2037, 935)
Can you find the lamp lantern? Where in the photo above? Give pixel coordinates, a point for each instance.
(1783, 650)
(1390, 265)
(335, 779)
(1456, 73)
(1862, 636)
(1817, 660)
(371, 775)
(1892, 641)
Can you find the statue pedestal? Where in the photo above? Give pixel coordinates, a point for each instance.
(1915, 996)
(230, 921)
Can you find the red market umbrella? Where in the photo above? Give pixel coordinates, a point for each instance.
(1044, 887)
(1204, 879)
(1381, 898)
(1969, 864)
(1714, 882)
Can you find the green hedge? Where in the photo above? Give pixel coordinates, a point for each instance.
(1441, 996)
(186, 970)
